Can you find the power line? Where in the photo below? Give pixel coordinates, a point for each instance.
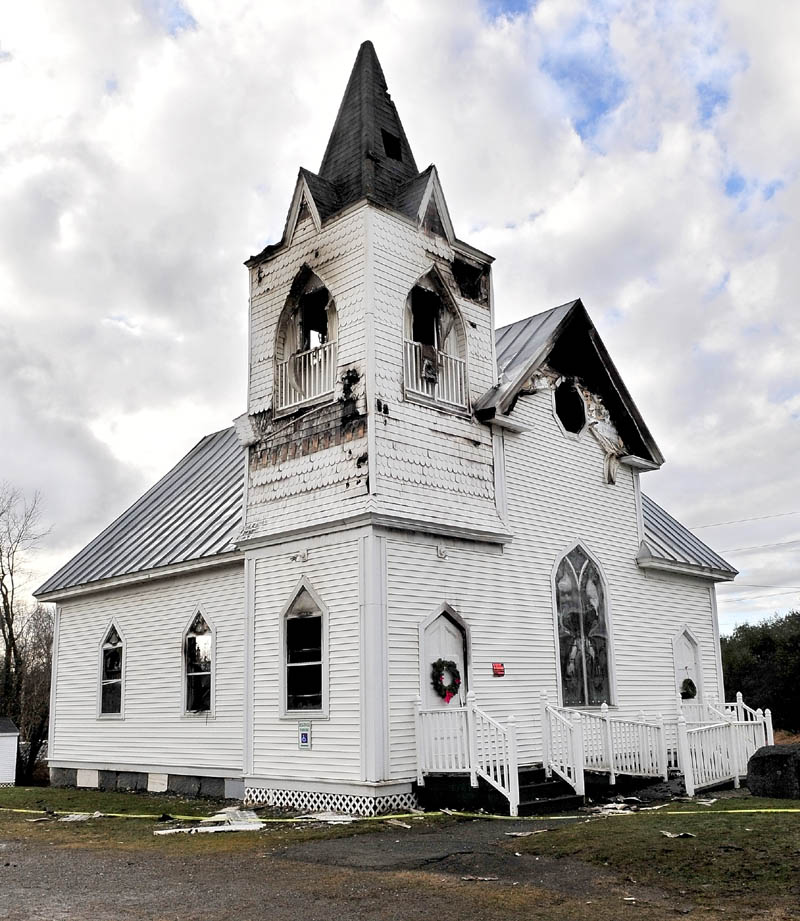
(795, 588)
(783, 543)
(756, 597)
(719, 524)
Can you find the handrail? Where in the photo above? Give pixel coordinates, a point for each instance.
(562, 745)
(447, 382)
(442, 745)
(495, 751)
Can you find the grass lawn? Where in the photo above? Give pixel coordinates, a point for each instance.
(740, 862)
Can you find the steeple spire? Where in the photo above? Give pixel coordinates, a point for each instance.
(368, 155)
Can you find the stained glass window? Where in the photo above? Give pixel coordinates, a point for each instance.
(582, 631)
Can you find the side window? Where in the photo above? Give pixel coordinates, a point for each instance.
(304, 651)
(111, 674)
(198, 664)
(582, 632)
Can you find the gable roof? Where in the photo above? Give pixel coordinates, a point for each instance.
(7, 727)
(567, 338)
(192, 513)
(668, 542)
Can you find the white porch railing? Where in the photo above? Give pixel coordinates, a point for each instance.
(716, 753)
(447, 382)
(465, 740)
(562, 745)
(615, 745)
(305, 376)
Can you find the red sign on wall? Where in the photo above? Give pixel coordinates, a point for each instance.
(498, 669)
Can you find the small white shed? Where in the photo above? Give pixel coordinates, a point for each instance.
(9, 738)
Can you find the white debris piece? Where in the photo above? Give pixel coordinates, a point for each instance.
(330, 818)
(81, 816)
(679, 834)
(231, 819)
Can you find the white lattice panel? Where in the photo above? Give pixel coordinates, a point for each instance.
(317, 801)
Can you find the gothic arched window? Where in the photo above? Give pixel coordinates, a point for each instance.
(435, 346)
(305, 344)
(582, 631)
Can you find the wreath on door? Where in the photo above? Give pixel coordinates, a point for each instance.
(688, 689)
(446, 691)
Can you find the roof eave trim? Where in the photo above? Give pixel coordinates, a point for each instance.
(686, 569)
(134, 578)
(640, 463)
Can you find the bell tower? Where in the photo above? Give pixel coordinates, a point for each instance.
(371, 338)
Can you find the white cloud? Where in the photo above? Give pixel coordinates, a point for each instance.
(138, 168)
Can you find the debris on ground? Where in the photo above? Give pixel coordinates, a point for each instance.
(526, 834)
(81, 816)
(233, 818)
(330, 818)
(397, 823)
(678, 834)
(480, 879)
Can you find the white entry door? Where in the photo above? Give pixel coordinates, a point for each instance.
(687, 669)
(443, 639)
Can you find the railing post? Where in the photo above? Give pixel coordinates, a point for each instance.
(420, 742)
(735, 752)
(513, 767)
(684, 756)
(548, 772)
(472, 740)
(608, 743)
(663, 765)
(578, 753)
(739, 706)
(768, 724)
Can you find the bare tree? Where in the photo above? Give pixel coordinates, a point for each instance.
(26, 630)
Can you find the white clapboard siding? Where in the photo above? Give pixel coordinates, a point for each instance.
(8, 758)
(556, 495)
(333, 572)
(155, 731)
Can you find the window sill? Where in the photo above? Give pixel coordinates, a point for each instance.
(319, 400)
(412, 396)
(198, 715)
(300, 716)
(110, 716)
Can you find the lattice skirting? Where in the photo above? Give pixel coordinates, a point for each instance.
(318, 801)
(6, 784)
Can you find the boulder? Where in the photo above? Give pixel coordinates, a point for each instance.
(774, 770)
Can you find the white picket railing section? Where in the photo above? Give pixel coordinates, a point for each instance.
(450, 385)
(465, 740)
(494, 753)
(615, 745)
(305, 376)
(442, 742)
(562, 745)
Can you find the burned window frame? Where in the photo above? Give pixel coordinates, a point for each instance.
(303, 601)
(293, 339)
(102, 681)
(198, 612)
(432, 285)
(572, 383)
(559, 632)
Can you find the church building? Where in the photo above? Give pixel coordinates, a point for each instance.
(423, 549)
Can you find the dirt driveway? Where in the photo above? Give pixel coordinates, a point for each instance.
(389, 873)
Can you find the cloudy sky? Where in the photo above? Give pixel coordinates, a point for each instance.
(641, 154)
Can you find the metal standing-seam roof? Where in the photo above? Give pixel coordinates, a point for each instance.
(669, 541)
(7, 727)
(193, 512)
(518, 342)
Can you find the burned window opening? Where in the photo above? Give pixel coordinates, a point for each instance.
(198, 652)
(582, 632)
(314, 319)
(570, 407)
(425, 309)
(391, 145)
(111, 677)
(472, 280)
